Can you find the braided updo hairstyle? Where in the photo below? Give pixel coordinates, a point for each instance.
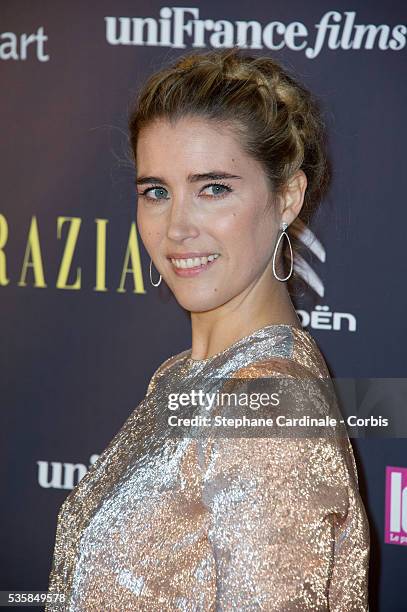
(277, 120)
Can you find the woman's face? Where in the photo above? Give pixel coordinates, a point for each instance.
(199, 195)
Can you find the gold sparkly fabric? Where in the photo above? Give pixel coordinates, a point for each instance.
(219, 523)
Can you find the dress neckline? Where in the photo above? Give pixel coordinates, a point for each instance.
(271, 327)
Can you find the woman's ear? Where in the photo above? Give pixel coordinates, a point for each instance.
(292, 197)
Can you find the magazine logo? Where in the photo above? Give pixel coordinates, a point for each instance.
(34, 267)
(179, 27)
(21, 46)
(56, 475)
(395, 529)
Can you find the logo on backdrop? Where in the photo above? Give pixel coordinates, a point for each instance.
(321, 317)
(395, 527)
(179, 27)
(56, 475)
(34, 272)
(23, 46)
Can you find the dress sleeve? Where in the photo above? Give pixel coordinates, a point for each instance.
(287, 527)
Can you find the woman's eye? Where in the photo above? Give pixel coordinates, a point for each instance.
(155, 193)
(217, 189)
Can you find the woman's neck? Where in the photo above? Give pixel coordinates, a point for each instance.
(215, 330)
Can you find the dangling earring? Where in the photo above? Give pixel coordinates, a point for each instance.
(151, 279)
(283, 227)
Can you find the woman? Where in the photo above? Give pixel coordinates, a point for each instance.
(229, 153)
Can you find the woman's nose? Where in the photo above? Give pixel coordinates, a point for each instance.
(181, 220)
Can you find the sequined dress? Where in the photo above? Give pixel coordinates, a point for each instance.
(186, 524)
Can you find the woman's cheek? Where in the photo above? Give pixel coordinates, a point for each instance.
(150, 233)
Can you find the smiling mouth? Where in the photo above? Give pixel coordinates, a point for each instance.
(192, 263)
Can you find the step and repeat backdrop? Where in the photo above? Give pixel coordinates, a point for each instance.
(83, 329)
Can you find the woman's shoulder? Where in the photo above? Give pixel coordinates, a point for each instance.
(303, 359)
(165, 366)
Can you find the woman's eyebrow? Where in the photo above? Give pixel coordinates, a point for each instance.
(214, 175)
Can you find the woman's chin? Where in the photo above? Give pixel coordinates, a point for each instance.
(194, 302)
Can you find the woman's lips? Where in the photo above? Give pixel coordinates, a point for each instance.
(193, 271)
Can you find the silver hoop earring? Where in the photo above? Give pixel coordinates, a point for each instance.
(283, 227)
(151, 278)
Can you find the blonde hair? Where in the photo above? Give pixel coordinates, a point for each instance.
(277, 119)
